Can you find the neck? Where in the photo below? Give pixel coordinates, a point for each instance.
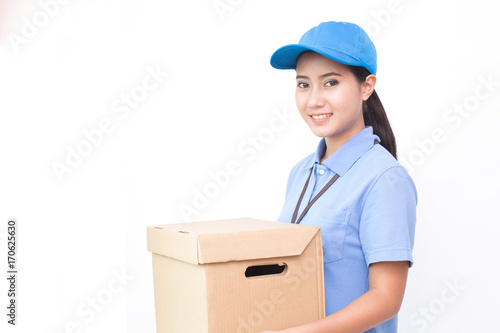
(334, 142)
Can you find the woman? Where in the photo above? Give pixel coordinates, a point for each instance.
(352, 186)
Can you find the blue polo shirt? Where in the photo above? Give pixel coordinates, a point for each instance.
(368, 215)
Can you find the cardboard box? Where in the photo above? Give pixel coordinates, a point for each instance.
(236, 276)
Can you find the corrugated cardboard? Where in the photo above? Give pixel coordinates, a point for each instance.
(200, 283)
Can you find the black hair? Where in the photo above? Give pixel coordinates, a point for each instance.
(374, 114)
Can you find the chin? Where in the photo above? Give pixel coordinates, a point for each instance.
(322, 133)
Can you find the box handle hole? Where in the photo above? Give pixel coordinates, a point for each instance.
(265, 270)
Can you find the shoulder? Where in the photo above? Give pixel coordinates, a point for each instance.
(381, 170)
(379, 159)
(303, 164)
(298, 173)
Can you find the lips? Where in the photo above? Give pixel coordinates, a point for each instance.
(320, 117)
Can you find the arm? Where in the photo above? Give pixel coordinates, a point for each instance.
(387, 282)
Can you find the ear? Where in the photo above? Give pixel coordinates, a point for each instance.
(368, 86)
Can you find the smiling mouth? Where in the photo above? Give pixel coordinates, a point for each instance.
(321, 116)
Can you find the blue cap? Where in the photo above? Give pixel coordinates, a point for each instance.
(343, 42)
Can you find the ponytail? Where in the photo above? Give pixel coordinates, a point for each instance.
(374, 114)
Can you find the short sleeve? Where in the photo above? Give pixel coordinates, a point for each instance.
(388, 218)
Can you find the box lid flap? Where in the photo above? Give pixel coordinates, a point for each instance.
(229, 240)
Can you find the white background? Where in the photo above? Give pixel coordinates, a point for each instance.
(80, 230)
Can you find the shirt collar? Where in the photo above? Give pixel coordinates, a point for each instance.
(348, 154)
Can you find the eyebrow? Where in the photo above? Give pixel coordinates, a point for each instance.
(323, 76)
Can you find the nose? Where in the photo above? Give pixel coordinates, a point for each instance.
(315, 98)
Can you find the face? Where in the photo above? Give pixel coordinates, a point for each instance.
(329, 97)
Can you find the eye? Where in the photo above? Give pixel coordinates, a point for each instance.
(331, 83)
(302, 85)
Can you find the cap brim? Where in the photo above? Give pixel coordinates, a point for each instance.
(286, 57)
